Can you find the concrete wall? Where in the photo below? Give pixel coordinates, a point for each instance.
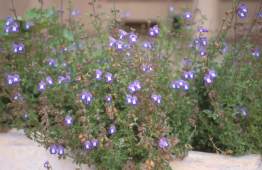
(141, 10)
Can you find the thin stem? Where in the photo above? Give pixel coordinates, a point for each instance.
(114, 12)
(234, 16)
(13, 8)
(214, 145)
(41, 4)
(61, 10)
(254, 21)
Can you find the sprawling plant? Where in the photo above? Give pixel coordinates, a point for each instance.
(119, 100)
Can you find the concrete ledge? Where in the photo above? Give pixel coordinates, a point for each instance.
(17, 152)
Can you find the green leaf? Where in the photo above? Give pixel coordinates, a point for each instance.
(68, 35)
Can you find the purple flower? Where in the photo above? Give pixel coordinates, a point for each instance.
(49, 80)
(202, 30)
(13, 79)
(122, 34)
(132, 38)
(87, 145)
(119, 45)
(16, 78)
(147, 45)
(210, 77)
(242, 11)
(64, 49)
(64, 79)
(146, 68)
(53, 149)
(18, 48)
(7, 29)
(134, 86)
(42, 86)
(52, 62)
(112, 129)
(108, 98)
(185, 86)
(86, 97)
(68, 121)
(95, 143)
(163, 143)
(154, 31)
(60, 150)
(46, 165)
(187, 15)
(11, 26)
(178, 84)
(75, 13)
(133, 100)
(99, 74)
(259, 14)
(61, 79)
(203, 41)
(175, 84)
(28, 25)
(189, 75)
(109, 77)
(256, 53)
(9, 21)
(225, 48)
(10, 79)
(243, 111)
(18, 97)
(127, 46)
(202, 52)
(112, 42)
(14, 28)
(156, 98)
(212, 73)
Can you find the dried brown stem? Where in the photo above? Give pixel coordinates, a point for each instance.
(13, 9)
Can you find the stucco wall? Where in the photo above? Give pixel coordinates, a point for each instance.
(142, 10)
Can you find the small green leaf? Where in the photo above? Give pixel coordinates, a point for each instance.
(68, 35)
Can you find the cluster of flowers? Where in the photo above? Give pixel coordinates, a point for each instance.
(255, 53)
(127, 40)
(200, 44)
(180, 84)
(91, 144)
(210, 77)
(108, 76)
(11, 25)
(94, 143)
(242, 11)
(57, 149)
(18, 48)
(124, 42)
(13, 79)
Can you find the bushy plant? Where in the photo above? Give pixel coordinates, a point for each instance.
(117, 100)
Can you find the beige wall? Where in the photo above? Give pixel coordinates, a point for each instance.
(141, 10)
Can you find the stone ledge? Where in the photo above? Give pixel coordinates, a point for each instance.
(17, 152)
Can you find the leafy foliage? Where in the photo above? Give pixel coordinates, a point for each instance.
(119, 101)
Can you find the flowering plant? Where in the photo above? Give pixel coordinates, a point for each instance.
(116, 100)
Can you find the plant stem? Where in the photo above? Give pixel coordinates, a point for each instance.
(13, 8)
(254, 21)
(61, 10)
(41, 4)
